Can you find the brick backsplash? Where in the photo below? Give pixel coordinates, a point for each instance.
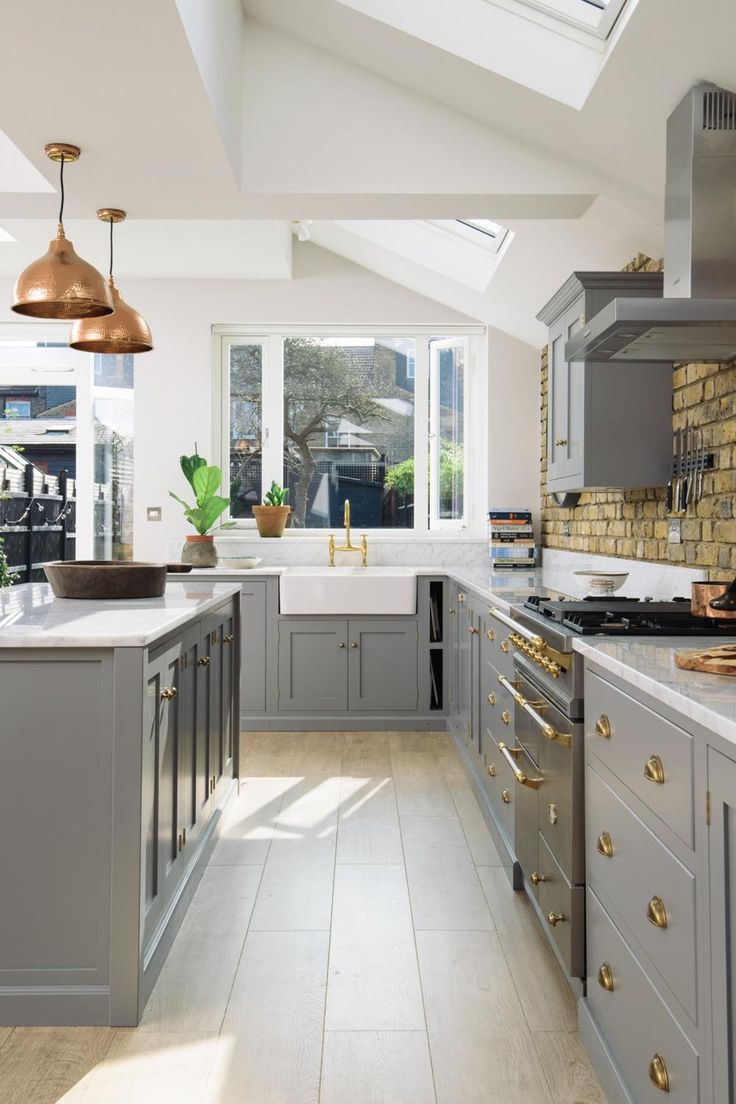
(633, 523)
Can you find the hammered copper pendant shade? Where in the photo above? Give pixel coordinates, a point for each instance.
(123, 331)
(60, 284)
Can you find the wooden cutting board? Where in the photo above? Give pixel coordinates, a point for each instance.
(720, 660)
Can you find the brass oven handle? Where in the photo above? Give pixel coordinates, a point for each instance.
(534, 639)
(562, 738)
(523, 779)
(512, 689)
(658, 1074)
(653, 770)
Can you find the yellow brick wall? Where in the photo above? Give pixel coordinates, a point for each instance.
(634, 523)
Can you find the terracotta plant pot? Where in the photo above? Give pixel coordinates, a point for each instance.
(271, 520)
(199, 551)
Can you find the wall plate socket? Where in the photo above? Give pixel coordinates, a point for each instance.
(674, 531)
(153, 513)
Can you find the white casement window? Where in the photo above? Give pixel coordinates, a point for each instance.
(391, 418)
(595, 17)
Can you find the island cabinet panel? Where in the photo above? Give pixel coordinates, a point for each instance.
(382, 665)
(109, 795)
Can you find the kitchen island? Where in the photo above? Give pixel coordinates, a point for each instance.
(118, 753)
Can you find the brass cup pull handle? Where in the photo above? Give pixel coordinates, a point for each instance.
(555, 918)
(658, 1074)
(536, 878)
(657, 913)
(605, 845)
(491, 634)
(605, 977)
(168, 693)
(505, 646)
(523, 779)
(491, 698)
(228, 639)
(653, 770)
(203, 661)
(506, 717)
(506, 797)
(603, 727)
(492, 770)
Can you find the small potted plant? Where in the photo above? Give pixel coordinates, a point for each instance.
(205, 480)
(272, 516)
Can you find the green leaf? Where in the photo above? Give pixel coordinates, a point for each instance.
(206, 482)
(189, 465)
(211, 510)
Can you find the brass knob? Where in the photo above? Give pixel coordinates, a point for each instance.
(472, 629)
(491, 698)
(653, 770)
(658, 1074)
(453, 611)
(504, 646)
(603, 727)
(506, 797)
(341, 644)
(461, 597)
(492, 769)
(353, 644)
(605, 977)
(605, 845)
(228, 639)
(169, 693)
(491, 634)
(506, 717)
(561, 441)
(657, 913)
(555, 918)
(204, 661)
(536, 878)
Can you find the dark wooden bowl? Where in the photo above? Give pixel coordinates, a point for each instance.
(105, 579)
(178, 568)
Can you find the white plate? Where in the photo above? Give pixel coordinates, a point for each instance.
(239, 563)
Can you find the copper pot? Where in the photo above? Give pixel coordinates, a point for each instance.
(701, 596)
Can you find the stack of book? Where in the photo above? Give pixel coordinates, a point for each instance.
(511, 540)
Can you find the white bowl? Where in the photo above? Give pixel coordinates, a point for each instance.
(602, 584)
(239, 563)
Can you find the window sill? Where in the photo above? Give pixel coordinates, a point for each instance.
(465, 536)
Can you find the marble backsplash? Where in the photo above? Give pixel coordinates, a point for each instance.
(312, 551)
(659, 581)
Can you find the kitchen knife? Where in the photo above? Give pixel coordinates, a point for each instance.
(678, 472)
(686, 477)
(701, 467)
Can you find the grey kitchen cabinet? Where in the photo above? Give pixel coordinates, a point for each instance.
(313, 665)
(253, 605)
(609, 424)
(383, 665)
(722, 871)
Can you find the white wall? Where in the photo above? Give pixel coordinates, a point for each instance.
(514, 398)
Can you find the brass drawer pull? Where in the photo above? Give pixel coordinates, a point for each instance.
(605, 845)
(555, 918)
(204, 661)
(536, 878)
(523, 779)
(560, 441)
(658, 1074)
(491, 698)
(653, 770)
(168, 693)
(657, 913)
(228, 639)
(605, 977)
(491, 634)
(506, 797)
(461, 597)
(505, 646)
(603, 727)
(492, 769)
(506, 717)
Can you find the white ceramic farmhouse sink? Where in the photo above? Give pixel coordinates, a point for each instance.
(348, 590)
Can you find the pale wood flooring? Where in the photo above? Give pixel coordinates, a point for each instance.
(354, 940)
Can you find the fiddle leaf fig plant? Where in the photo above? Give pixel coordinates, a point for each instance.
(205, 480)
(277, 495)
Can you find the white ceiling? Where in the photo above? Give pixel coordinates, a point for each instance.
(214, 124)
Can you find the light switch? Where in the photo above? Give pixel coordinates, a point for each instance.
(674, 531)
(153, 513)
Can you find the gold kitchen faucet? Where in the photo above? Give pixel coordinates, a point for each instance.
(348, 546)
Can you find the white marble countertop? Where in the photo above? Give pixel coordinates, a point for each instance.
(649, 665)
(31, 617)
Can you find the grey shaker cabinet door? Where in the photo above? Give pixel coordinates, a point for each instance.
(151, 795)
(313, 665)
(253, 646)
(170, 844)
(722, 860)
(382, 671)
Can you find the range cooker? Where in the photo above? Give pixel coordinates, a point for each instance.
(547, 759)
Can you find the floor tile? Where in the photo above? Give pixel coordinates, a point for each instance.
(271, 1044)
(443, 884)
(365, 1067)
(39, 1065)
(373, 977)
(368, 796)
(309, 807)
(481, 1048)
(296, 888)
(402, 743)
(567, 1068)
(5, 1033)
(366, 753)
(149, 1068)
(271, 755)
(318, 753)
(362, 839)
(421, 787)
(546, 997)
(480, 842)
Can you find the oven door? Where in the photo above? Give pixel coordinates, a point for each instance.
(554, 744)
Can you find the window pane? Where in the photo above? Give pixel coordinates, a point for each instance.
(349, 430)
(246, 365)
(448, 404)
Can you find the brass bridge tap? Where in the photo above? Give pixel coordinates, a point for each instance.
(348, 546)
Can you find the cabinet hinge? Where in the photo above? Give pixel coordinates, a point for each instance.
(707, 807)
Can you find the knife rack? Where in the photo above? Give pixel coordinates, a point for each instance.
(688, 469)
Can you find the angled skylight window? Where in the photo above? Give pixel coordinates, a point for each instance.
(597, 17)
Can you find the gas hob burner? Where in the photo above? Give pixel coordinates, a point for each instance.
(628, 617)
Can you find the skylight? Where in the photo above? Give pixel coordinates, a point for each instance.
(597, 17)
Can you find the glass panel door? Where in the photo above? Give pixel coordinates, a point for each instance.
(448, 366)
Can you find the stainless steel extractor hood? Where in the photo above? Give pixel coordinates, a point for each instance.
(696, 318)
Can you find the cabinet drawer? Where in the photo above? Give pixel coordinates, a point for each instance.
(496, 647)
(499, 783)
(633, 1018)
(563, 908)
(640, 877)
(639, 740)
(497, 705)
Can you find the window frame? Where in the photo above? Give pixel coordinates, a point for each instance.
(593, 17)
(475, 416)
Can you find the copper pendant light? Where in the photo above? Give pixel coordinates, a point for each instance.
(123, 331)
(60, 284)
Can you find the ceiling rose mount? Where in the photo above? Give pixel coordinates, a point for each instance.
(62, 151)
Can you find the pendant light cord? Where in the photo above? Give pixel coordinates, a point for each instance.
(111, 226)
(61, 183)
